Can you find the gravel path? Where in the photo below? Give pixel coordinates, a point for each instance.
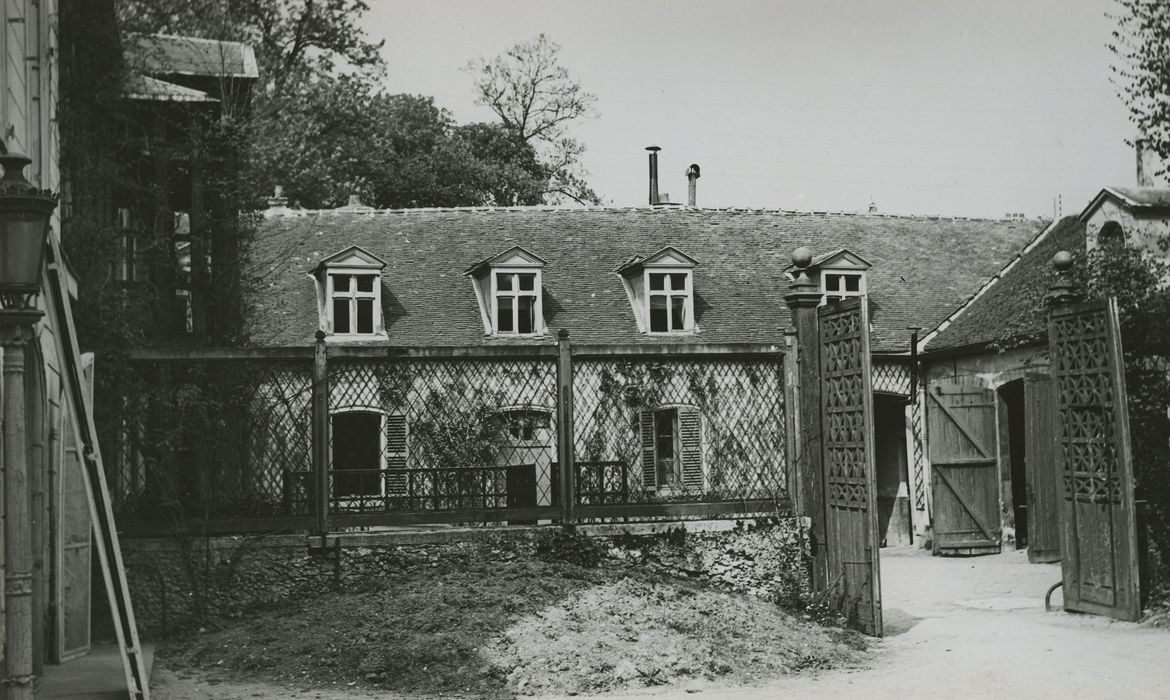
(976, 628)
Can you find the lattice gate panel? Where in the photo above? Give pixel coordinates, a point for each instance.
(850, 488)
(1100, 556)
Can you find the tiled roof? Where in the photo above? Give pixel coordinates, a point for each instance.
(163, 54)
(144, 87)
(1142, 199)
(1154, 197)
(923, 268)
(1011, 311)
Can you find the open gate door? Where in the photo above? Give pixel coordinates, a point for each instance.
(1043, 483)
(851, 529)
(964, 475)
(1100, 552)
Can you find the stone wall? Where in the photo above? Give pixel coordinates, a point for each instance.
(172, 580)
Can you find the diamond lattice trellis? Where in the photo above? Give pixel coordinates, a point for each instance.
(891, 377)
(628, 413)
(213, 439)
(452, 434)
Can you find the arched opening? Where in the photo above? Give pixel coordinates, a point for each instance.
(893, 477)
(1111, 235)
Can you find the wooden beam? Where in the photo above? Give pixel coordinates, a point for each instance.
(779, 506)
(689, 349)
(200, 354)
(473, 515)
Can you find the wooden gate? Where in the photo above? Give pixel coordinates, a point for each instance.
(851, 532)
(1043, 483)
(1100, 552)
(964, 475)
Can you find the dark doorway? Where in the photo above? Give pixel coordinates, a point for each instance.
(893, 480)
(357, 455)
(1015, 448)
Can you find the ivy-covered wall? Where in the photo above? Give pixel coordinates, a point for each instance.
(741, 407)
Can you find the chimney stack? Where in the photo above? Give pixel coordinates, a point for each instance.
(654, 198)
(692, 175)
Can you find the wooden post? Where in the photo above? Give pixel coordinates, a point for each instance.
(18, 639)
(321, 435)
(791, 413)
(809, 498)
(565, 426)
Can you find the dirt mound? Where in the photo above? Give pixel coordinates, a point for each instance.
(494, 628)
(635, 633)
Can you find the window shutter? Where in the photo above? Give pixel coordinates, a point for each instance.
(396, 455)
(691, 436)
(648, 468)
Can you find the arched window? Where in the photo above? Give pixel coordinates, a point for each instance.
(1111, 235)
(526, 425)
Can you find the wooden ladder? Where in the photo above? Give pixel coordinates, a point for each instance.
(60, 317)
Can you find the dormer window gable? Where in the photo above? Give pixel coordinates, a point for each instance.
(661, 290)
(350, 290)
(508, 288)
(841, 274)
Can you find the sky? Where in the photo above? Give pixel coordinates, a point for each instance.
(930, 107)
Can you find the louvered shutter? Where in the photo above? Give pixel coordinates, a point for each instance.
(396, 455)
(691, 437)
(649, 480)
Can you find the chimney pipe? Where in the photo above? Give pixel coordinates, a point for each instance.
(692, 175)
(654, 199)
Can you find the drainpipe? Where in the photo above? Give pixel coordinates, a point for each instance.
(914, 331)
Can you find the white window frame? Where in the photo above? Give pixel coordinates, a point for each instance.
(687, 293)
(838, 295)
(331, 293)
(536, 292)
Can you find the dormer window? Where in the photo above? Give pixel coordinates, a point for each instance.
(661, 291)
(509, 288)
(354, 298)
(515, 302)
(350, 289)
(670, 301)
(838, 285)
(841, 275)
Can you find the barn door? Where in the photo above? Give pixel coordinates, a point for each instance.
(1100, 553)
(964, 475)
(1043, 486)
(851, 532)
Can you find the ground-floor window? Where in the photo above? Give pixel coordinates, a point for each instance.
(672, 451)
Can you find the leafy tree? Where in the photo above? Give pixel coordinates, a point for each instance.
(1142, 74)
(294, 40)
(342, 136)
(536, 99)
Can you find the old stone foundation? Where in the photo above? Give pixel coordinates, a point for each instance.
(178, 581)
